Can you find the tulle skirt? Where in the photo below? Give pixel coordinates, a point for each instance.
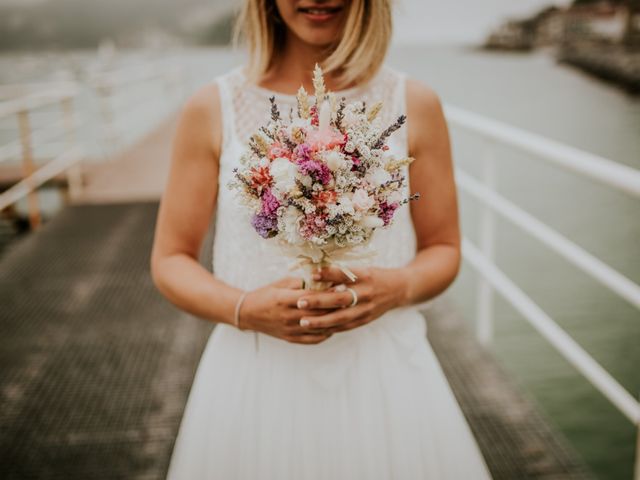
(369, 403)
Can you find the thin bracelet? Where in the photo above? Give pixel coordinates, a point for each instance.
(236, 314)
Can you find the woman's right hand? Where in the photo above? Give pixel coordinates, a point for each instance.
(273, 310)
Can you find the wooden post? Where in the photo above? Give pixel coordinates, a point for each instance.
(485, 294)
(28, 167)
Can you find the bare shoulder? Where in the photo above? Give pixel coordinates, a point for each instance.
(200, 117)
(425, 115)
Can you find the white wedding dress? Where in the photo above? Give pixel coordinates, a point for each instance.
(369, 403)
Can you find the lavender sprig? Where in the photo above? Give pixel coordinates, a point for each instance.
(246, 183)
(340, 113)
(389, 130)
(268, 133)
(275, 113)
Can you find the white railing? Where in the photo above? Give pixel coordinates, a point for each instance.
(65, 158)
(614, 175)
(43, 141)
(133, 100)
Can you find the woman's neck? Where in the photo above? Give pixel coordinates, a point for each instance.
(295, 66)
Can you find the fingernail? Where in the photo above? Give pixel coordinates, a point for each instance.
(302, 303)
(304, 322)
(341, 288)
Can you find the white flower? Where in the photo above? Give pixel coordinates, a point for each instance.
(371, 221)
(350, 118)
(284, 174)
(361, 200)
(378, 176)
(289, 226)
(301, 122)
(306, 180)
(334, 160)
(349, 147)
(346, 205)
(395, 197)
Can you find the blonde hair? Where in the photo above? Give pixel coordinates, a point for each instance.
(354, 58)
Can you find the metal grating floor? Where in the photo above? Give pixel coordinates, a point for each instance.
(96, 364)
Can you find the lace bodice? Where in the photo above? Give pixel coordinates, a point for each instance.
(240, 256)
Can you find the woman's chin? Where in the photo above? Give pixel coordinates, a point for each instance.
(319, 41)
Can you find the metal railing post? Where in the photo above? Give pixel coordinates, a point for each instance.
(28, 167)
(636, 469)
(485, 294)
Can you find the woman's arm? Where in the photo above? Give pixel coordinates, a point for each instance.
(185, 211)
(435, 218)
(435, 214)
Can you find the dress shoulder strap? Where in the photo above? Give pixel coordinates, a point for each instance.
(225, 88)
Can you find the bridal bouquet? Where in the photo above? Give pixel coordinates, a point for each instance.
(322, 182)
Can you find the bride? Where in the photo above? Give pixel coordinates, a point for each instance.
(294, 383)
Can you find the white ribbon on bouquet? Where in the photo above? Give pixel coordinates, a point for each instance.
(311, 258)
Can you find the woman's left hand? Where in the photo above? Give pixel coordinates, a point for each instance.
(377, 289)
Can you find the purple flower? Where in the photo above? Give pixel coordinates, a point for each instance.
(265, 225)
(269, 203)
(386, 211)
(316, 170)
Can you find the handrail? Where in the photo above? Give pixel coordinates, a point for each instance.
(617, 176)
(587, 164)
(26, 102)
(555, 335)
(37, 178)
(35, 100)
(591, 265)
(12, 90)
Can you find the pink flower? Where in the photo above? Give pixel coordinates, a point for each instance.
(314, 115)
(301, 153)
(386, 211)
(269, 203)
(361, 200)
(316, 170)
(325, 139)
(277, 150)
(314, 225)
(325, 197)
(260, 178)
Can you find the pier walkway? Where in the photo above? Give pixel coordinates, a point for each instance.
(97, 365)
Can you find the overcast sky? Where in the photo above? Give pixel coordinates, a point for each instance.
(420, 21)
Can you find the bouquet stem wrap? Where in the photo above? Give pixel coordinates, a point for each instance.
(311, 260)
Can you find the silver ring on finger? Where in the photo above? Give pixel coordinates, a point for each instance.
(354, 295)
